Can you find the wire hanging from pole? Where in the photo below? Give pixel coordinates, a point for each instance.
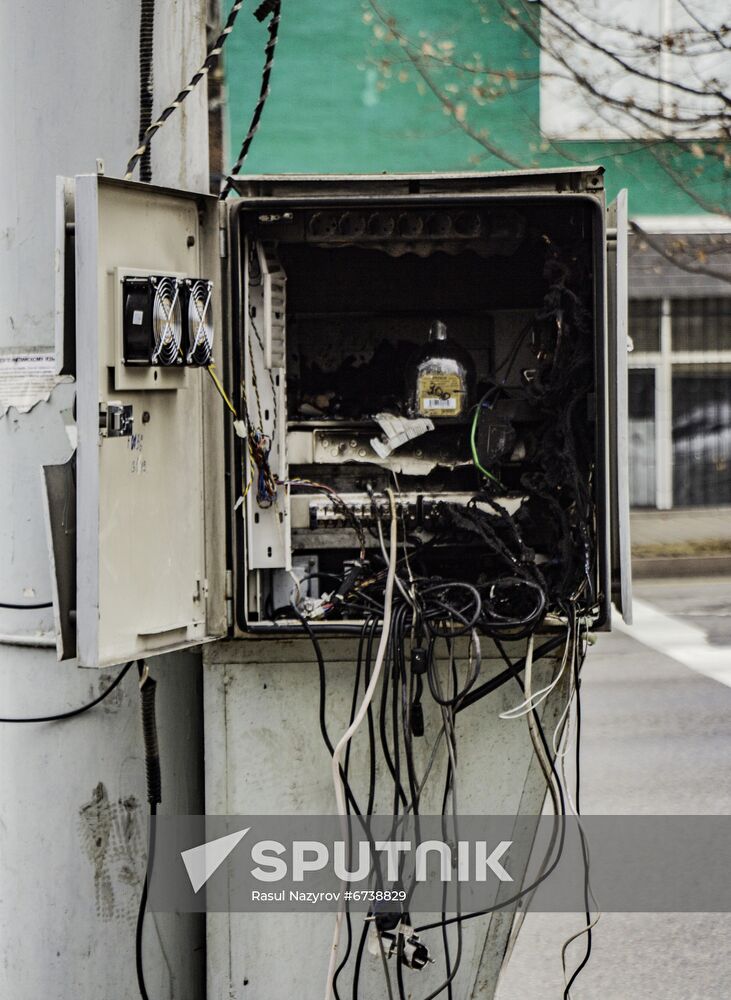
(209, 62)
(147, 36)
(272, 7)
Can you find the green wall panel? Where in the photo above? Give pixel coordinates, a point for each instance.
(345, 100)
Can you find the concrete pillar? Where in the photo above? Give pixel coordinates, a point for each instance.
(72, 838)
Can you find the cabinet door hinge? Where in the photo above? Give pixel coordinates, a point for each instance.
(229, 598)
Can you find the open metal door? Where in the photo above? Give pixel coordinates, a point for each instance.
(617, 297)
(150, 515)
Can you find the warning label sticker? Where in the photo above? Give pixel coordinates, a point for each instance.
(440, 395)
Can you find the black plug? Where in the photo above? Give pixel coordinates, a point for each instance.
(419, 660)
(417, 719)
(353, 570)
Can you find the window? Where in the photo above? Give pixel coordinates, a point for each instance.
(610, 69)
(642, 437)
(701, 324)
(644, 324)
(701, 438)
(680, 402)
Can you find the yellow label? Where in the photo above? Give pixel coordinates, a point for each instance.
(440, 395)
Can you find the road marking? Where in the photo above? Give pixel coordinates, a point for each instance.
(685, 643)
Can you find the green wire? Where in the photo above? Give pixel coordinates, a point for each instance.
(473, 442)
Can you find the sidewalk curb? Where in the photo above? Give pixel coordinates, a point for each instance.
(669, 566)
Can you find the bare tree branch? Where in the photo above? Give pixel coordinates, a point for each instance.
(691, 266)
(445, 101)
(680, 130)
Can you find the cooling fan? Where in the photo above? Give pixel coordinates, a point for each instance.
(199, 322)
(167, 321)
(167, 326)
(152, 323)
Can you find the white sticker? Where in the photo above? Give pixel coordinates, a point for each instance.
(27, 379)
(137, 317)
(398, 430)
(434, 403)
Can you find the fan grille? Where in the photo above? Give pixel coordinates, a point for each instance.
(167, 327)
(200, 323)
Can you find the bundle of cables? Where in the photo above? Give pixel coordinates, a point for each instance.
(425, 621)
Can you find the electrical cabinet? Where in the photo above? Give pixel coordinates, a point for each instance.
(254, 376)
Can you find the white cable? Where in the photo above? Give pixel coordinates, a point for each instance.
(535, 699)
(541, 756)
(360, 715)
(564, 734)
(296, 601)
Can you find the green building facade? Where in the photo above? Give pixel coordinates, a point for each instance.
(347, 98)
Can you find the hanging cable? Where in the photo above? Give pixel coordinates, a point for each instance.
(360, 715)
(83, 708)
(154, 796)
(210, 61)
(273, 8)
(147, 35)
(26, 607)
(590, 922)
(546, 869)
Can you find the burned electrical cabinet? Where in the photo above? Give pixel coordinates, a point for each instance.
(447, 337)
(254, 377)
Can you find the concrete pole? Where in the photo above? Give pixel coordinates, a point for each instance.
(74, 819)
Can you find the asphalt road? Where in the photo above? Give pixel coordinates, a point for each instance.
(656, 740)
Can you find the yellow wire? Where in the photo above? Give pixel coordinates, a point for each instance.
(221, 390)
(224, 396)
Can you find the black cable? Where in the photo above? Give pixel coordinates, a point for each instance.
(148, 687)
(506, 675)
(210, 61)
(83, 708)
(544, 875)
(450, 734)
(384, 737)
(359, 959)
(147, 30)
(400, 967)
(584, 849)
(322, 707)
(370, 720)
(26, 607)
(445, 929)
(143, 908)
(346, 765)
(267, 8)
(460, 693)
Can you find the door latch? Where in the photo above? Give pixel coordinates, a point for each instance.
(115, 420)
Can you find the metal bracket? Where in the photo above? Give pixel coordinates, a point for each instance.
(116, 420)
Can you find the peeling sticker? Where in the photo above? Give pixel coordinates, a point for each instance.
(27, 379)
(72, 431)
